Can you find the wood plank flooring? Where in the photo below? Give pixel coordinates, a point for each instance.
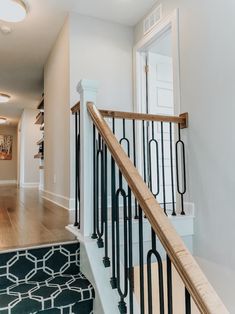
(28, 220)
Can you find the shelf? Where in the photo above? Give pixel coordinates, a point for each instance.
(41, 104)
(39, 156)
(40, 118)
(40, 141)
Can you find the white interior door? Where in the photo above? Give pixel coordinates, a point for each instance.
(160, 84)
(161, 102)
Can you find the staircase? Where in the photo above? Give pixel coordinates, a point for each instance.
(130, 191)
(44, 280)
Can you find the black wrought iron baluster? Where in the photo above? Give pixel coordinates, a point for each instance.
(141, 261)
(134, 160)
(99, 191)
(169, 285)
(122, 292)
(163, 169)
(124, 139)
(152, 141)
(181, 190)
(145, 141)
(95, 184)
(131, 269)
(106, 259)
(172, 172)
(154, 252)
(187, 302)
(76, 222)
(79, 169)
(144, 150)
(113, 279)
(160, 282)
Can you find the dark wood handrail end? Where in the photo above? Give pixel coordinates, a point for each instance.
(184, 125)
(76, 108)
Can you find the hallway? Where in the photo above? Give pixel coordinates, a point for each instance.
(28, 220)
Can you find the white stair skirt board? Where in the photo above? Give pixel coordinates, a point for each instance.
(91, 265)
(8, 182)
(60, 200)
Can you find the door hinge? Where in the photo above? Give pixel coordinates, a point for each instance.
(146, 69)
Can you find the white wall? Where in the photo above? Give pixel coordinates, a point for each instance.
(57, 122)
(207, 68)
(85, 48)
(102, 51)
(29, 134)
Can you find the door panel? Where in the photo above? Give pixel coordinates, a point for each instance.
(161, 101)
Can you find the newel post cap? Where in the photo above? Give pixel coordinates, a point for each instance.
(87, 85)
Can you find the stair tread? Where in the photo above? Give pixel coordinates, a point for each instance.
(56, 292)
(44, 280)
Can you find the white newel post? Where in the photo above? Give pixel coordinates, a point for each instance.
(88, 92)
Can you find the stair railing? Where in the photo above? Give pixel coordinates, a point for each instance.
(167, 248)
(155, 146)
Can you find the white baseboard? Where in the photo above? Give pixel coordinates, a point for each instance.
(31, 185)
(58, 199)
(8, 182)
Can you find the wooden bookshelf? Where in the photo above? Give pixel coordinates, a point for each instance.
(41, 103)
(41, 141)
(39, 156)
(40, 118)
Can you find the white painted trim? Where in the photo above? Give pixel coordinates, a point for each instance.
(30, 185)
(170, 22)
(88, 93)
(59, 200)
(91, 263)
(8, 182)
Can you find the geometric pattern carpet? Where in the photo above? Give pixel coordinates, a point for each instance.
(44, 280)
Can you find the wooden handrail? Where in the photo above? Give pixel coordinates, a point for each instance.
(182, 119)
(195, 281)
(76, 108)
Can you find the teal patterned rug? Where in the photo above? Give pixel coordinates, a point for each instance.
(44, 280)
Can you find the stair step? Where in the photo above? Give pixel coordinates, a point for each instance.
(44, 280)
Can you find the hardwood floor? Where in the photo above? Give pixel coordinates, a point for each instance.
(28, 220)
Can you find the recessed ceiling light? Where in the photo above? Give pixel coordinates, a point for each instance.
(3, 120)
(4, 98)
(5, 29)
(12, 10)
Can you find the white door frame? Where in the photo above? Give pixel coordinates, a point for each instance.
(171, 22)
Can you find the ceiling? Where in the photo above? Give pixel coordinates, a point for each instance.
(24, 52)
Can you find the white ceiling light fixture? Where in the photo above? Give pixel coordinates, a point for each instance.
(12, 10)
(4, 98)
(3, 120)
(5, 29)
